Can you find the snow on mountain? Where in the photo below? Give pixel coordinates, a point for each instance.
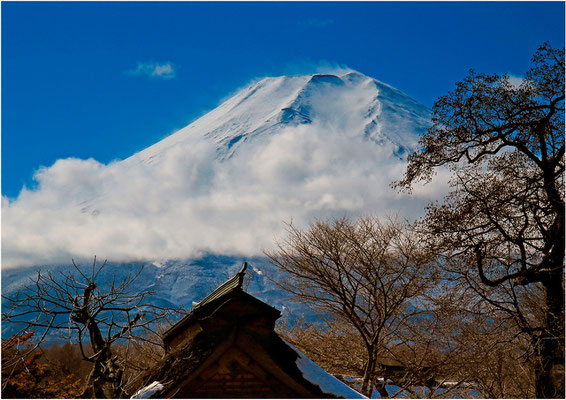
(351, 103)
(281, 149)
(197, 204)
(175, 283)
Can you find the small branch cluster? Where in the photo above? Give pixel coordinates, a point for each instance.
(75, 306)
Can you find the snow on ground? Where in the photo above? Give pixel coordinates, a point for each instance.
(146, 392)
(421, 392)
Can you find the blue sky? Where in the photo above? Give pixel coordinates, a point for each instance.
(105, 80)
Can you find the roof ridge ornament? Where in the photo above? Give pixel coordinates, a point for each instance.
(233, 283)
(241, 275)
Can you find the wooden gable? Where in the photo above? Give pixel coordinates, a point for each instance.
(226, 347)
(240, 367)
(227, 306)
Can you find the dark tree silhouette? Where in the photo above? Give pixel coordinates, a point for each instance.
(505, 214)
(95, 317)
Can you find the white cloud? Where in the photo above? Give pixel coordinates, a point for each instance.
(191, 203)
(307, 66)
(186, 201)
(515, 80)
(159, 70)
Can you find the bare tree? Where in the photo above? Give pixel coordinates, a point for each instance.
(367, 274)
(335, 346)
(503, 223)
(98, 317)
(415, 361)
(482, 346)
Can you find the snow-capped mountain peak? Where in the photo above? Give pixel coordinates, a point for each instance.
(280, 149)
(352, 103)
(195, 205)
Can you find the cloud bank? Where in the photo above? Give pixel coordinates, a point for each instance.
(186, 199)
(192, 203)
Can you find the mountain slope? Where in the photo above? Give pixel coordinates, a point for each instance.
(216, 193)
(352, 103)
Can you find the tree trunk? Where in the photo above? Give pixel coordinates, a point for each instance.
(94, 388)
(368, 373)
(549, 345)
(382, 390)
(379, 386)
(104, 370)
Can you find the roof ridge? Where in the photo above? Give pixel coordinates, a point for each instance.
(231, 284)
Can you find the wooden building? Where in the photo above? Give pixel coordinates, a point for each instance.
(226, 347)
(421, 375)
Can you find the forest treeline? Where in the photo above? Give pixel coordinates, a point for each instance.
(467, 301)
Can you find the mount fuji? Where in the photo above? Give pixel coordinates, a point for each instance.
(352, 103)
(195, 205)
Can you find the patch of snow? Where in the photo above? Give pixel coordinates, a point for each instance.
(327, 383)
(393, 390)
(148, 391)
